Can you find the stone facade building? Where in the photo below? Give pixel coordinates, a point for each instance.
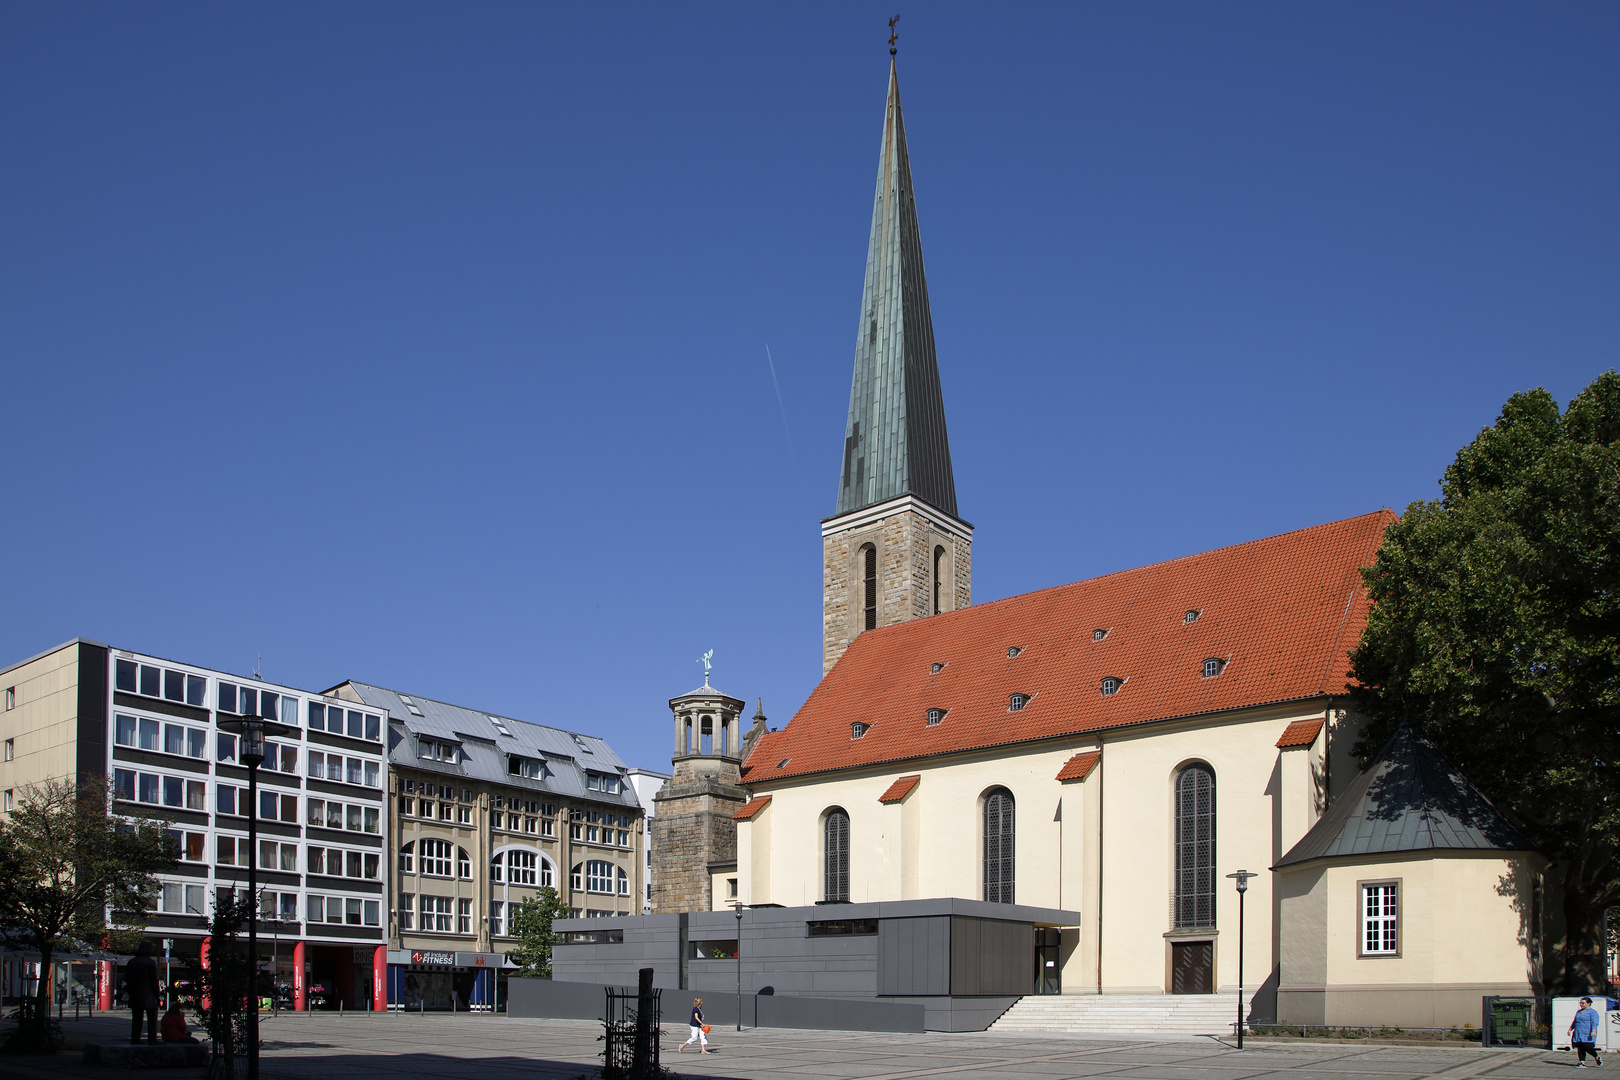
(483, 812)
(694, 836)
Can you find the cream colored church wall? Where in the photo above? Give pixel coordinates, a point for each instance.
(1465, 932)
(1255, 816)
(930, 845)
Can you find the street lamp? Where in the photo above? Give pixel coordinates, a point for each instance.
(737, 910)
(1242, 879)
(253, 730)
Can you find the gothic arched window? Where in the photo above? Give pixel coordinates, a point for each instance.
(1195, 846)
(835, 847)
(869, 603)
(999, 847)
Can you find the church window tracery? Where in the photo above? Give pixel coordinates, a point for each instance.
(1195, 846)
(999, 847)
(835, 843)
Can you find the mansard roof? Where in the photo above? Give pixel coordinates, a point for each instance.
(1411, 798)
(1281, 614)
(894, 440)
(488, 741)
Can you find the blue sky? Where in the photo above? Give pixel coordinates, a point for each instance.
(426, 344)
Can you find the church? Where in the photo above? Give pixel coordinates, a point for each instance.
(1131, 786)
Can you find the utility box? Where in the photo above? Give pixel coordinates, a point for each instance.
(1563, 1014)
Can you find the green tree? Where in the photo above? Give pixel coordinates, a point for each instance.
(66, 861)
(222, 992)
(1496, 622)
(531, 925)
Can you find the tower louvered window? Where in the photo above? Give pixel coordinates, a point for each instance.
(999, 847)
(836, 831)
(1195, 846)
(869, 595)
(939, 565)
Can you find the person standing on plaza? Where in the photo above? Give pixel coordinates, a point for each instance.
(141, 980)
(699, 1035)
(1583, 1034)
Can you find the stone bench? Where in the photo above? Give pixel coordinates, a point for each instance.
(145, 1056)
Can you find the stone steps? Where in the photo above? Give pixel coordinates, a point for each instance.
(1124, 1014)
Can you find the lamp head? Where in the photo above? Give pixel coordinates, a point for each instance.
(1242, 879)
(253, 730)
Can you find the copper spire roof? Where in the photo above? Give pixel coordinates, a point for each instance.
(1279, 615)
(894, 440)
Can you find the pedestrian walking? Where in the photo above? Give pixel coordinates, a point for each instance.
(141, 979)
(700, 1030)
(1583, 1034)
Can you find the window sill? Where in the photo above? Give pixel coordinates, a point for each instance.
(1194, 932)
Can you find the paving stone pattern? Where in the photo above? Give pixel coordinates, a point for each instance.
(322, 1046)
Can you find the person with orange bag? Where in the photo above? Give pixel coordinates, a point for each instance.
(700, 1030)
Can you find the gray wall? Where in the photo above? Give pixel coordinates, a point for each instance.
(963, 961)
(543, 998)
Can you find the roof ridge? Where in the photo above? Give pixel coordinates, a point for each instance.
(487, 713)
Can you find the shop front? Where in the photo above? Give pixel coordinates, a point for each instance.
(422, 980)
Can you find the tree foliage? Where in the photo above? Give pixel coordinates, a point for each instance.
(66, 862)
(1496, 621)
(531, 925)
(223, 991)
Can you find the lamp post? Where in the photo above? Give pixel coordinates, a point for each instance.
(252, 729)
(737, 910)
(1242, 879)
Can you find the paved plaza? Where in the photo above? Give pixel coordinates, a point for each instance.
(323, 1046)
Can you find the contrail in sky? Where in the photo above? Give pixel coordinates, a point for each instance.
(779, 405)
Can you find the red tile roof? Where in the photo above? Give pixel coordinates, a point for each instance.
(1281, 613)
(900, 789)
(1300, 733)
(752, 807)
(1079, 767)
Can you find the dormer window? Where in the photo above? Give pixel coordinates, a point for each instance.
(1213, 666)
(598, 782)
(1111, 685)
(1016, 702)
(526, 767)
(935, 668)
(858, 729)
(1014, 650)
(1098, 634)
(440, 751)
(935, 716)
(1190, 616)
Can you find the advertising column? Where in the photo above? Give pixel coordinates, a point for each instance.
(300, 979)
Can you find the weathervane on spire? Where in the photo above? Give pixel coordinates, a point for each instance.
(704, 660)
(893, 35)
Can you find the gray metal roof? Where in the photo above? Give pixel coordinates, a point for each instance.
(1409, 799)
(485, 748)
(894, 440)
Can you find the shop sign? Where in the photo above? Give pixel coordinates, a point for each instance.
(480, 960)
(443, 959)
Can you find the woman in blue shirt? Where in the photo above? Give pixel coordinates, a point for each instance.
(1583, 1034)
(697, 1030)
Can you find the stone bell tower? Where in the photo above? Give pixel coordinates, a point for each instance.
(894, 548)
(692, 825)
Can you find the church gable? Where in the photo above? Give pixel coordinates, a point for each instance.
(1267, 621)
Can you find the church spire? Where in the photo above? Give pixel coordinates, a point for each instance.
(894, 440)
